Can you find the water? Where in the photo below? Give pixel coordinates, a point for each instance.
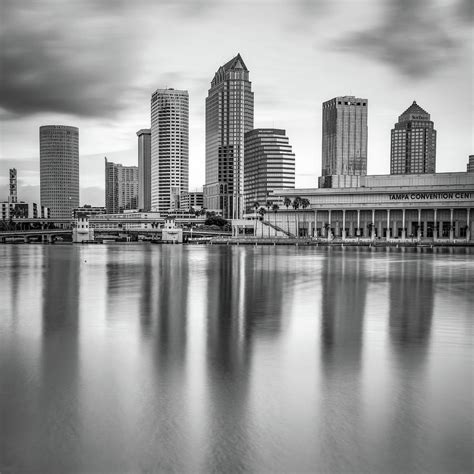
(144, 358)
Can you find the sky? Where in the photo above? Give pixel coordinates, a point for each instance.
(94, 64)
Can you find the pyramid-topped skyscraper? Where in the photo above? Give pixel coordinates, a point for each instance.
(229, 114)
(413, 144)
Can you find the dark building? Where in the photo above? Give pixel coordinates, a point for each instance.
(344, 141)
(413, 144)
(229, 114)
(144, 169)
(470, 164)
(269, 164)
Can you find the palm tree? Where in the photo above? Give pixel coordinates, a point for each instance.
(304, 205)
(256, 205)
(371, 226)
(327, 228)
(296, 205)
(275, 208)
(262, 212)
(287, 204)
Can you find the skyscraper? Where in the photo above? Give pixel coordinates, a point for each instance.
(229, 114)
(169, 148)
(144, 169)
(269, 164)
(13, 195)
(121, 187)
(413, 143)
(344, 144)
(59, 169)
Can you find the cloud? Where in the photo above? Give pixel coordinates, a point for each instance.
(415, 37)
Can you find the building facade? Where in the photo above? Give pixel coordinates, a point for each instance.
(470, 164)
(425, 206)
(169, 148)
(144, 169)
(269, 164)
(192, 200)
(413, 143)
(344, 141)
(229, 115)
(121, 187)
(59, 169)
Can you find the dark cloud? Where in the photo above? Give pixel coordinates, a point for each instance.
(415, 37)
(466, 10)
(78, 57)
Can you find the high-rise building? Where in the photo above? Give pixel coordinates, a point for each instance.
(269, 164)
(59, 169)
(169, 148)
(191, 200)
(413, 144)
(344, 143)
(470, 164)
(13, 196)
(121, 187)
(144, 169)
(229, 114)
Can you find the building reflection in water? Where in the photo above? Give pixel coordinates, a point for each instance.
(58, 419)
(344, 284)
(245, 291)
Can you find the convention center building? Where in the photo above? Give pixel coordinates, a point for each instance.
(433, 206)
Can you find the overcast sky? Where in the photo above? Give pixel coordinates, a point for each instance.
(94, 64)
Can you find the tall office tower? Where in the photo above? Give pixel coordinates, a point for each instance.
(59, 169)
(121, 187)
(169, 148)
(470, 164)
(13, 196)
(413, 144)
(269, 164)
(229, 114)
(344, 144)
(144, 169)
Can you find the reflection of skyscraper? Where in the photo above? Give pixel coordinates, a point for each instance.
(169, 148)
(59, 169)
(344, 150)
(144, 169)
(413, 147)
(229, 114)
(411, 302)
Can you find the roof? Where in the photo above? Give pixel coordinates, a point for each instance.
(414, 109)
(236, 63)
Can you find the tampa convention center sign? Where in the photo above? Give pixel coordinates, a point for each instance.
(423, 196)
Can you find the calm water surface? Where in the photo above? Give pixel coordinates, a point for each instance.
(136, 358)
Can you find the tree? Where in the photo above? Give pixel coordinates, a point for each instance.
(262, 213)
(296, 204)
(287, 204)
(216, 220)
(256, 205)
(275, 208)
(304, 205)
(371, 226)
(327, 228)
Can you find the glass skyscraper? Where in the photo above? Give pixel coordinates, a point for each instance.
(269, 164)
(413, 143)
(144, 169)
(229, 114)
(169, 148)
(59, 169)
(344, 143)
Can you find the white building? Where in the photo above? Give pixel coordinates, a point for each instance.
(169, 148)
(82, 231)
(171, 233)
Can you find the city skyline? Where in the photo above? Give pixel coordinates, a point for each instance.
(290, 79)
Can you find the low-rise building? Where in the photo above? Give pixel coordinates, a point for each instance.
(424, 206)
(81, 230)
(171, 233)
